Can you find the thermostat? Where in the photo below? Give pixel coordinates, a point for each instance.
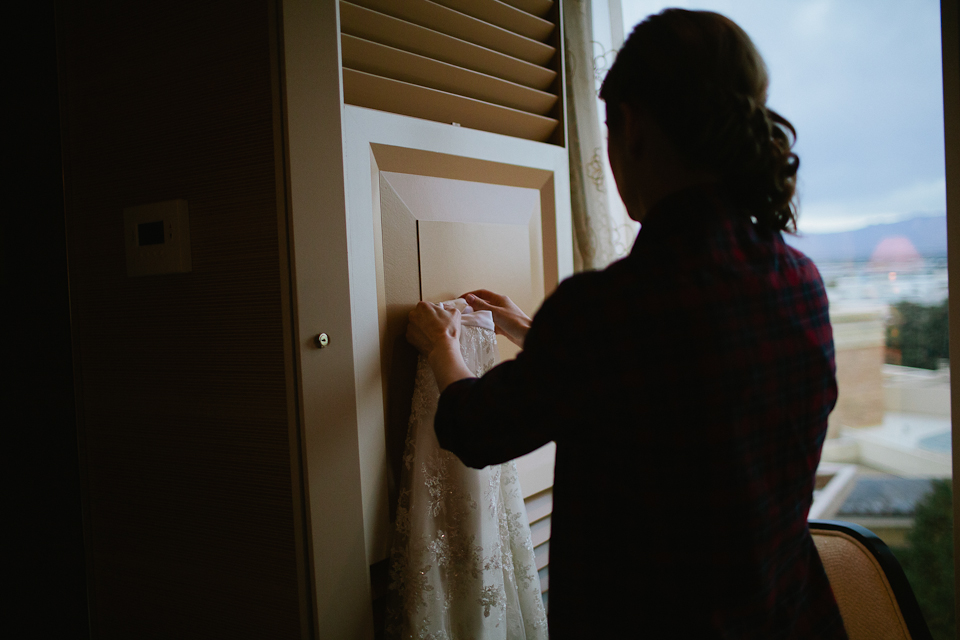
(157, 238)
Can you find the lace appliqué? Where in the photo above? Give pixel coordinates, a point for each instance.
(462, 564)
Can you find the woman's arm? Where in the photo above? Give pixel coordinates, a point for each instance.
(448, 366)
(520, 404)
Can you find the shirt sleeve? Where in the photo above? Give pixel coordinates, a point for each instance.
(521, 404)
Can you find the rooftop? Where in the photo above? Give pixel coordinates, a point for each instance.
(884, 496)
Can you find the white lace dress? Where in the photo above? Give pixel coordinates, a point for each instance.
(462, 563)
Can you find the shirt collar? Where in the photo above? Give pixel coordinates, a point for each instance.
(687, 212)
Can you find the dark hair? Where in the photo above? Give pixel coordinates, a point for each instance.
(703, 81)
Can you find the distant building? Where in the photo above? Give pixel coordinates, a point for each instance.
(889, 435)
(894, 251)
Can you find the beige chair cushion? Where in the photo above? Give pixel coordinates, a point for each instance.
(867, 603)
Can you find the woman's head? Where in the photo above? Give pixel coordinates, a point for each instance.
(699, 77)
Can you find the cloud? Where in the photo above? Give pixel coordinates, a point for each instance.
(812, 19)
(861, 80)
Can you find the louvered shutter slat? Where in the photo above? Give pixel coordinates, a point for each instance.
(377, 27)
(504, 16)
(378, 59)
(535, 7)
(386, 94)
(460, 25)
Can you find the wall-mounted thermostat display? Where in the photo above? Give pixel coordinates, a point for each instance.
(157, 238)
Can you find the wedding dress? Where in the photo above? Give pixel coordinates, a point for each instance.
(462, 562)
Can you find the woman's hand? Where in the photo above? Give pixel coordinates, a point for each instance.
(432, 326)
(510, 321)
(435, 332)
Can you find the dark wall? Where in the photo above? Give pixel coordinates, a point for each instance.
(43, 564)
(187, 426)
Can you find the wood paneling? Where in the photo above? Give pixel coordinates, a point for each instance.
(441, 238)
(456, 257)
(400, 268)
(184, 384)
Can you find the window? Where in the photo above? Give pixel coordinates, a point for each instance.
(862, 84)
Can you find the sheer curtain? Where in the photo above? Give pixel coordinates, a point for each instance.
(602, 230)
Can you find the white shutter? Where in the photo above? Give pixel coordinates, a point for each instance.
(482, 64)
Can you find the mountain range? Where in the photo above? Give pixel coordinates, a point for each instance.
(927, 234)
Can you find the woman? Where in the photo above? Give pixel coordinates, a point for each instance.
(687, 386)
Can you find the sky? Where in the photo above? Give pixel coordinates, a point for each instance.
(861, 82)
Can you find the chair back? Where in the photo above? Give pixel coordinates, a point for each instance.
(875, 599)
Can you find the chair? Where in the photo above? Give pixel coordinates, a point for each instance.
(875, 599)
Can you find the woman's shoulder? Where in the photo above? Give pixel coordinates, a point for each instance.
(580, 301)
(569, 295)
(588, 286)
(800, 262)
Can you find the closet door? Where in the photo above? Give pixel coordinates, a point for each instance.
(389, 207)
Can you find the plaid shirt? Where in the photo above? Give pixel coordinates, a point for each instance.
(687, 388)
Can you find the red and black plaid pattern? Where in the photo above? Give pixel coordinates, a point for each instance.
(687, 388)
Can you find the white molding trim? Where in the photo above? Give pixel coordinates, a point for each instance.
(313, 100)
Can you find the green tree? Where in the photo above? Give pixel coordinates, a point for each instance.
(919, 333)
(928, 560)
